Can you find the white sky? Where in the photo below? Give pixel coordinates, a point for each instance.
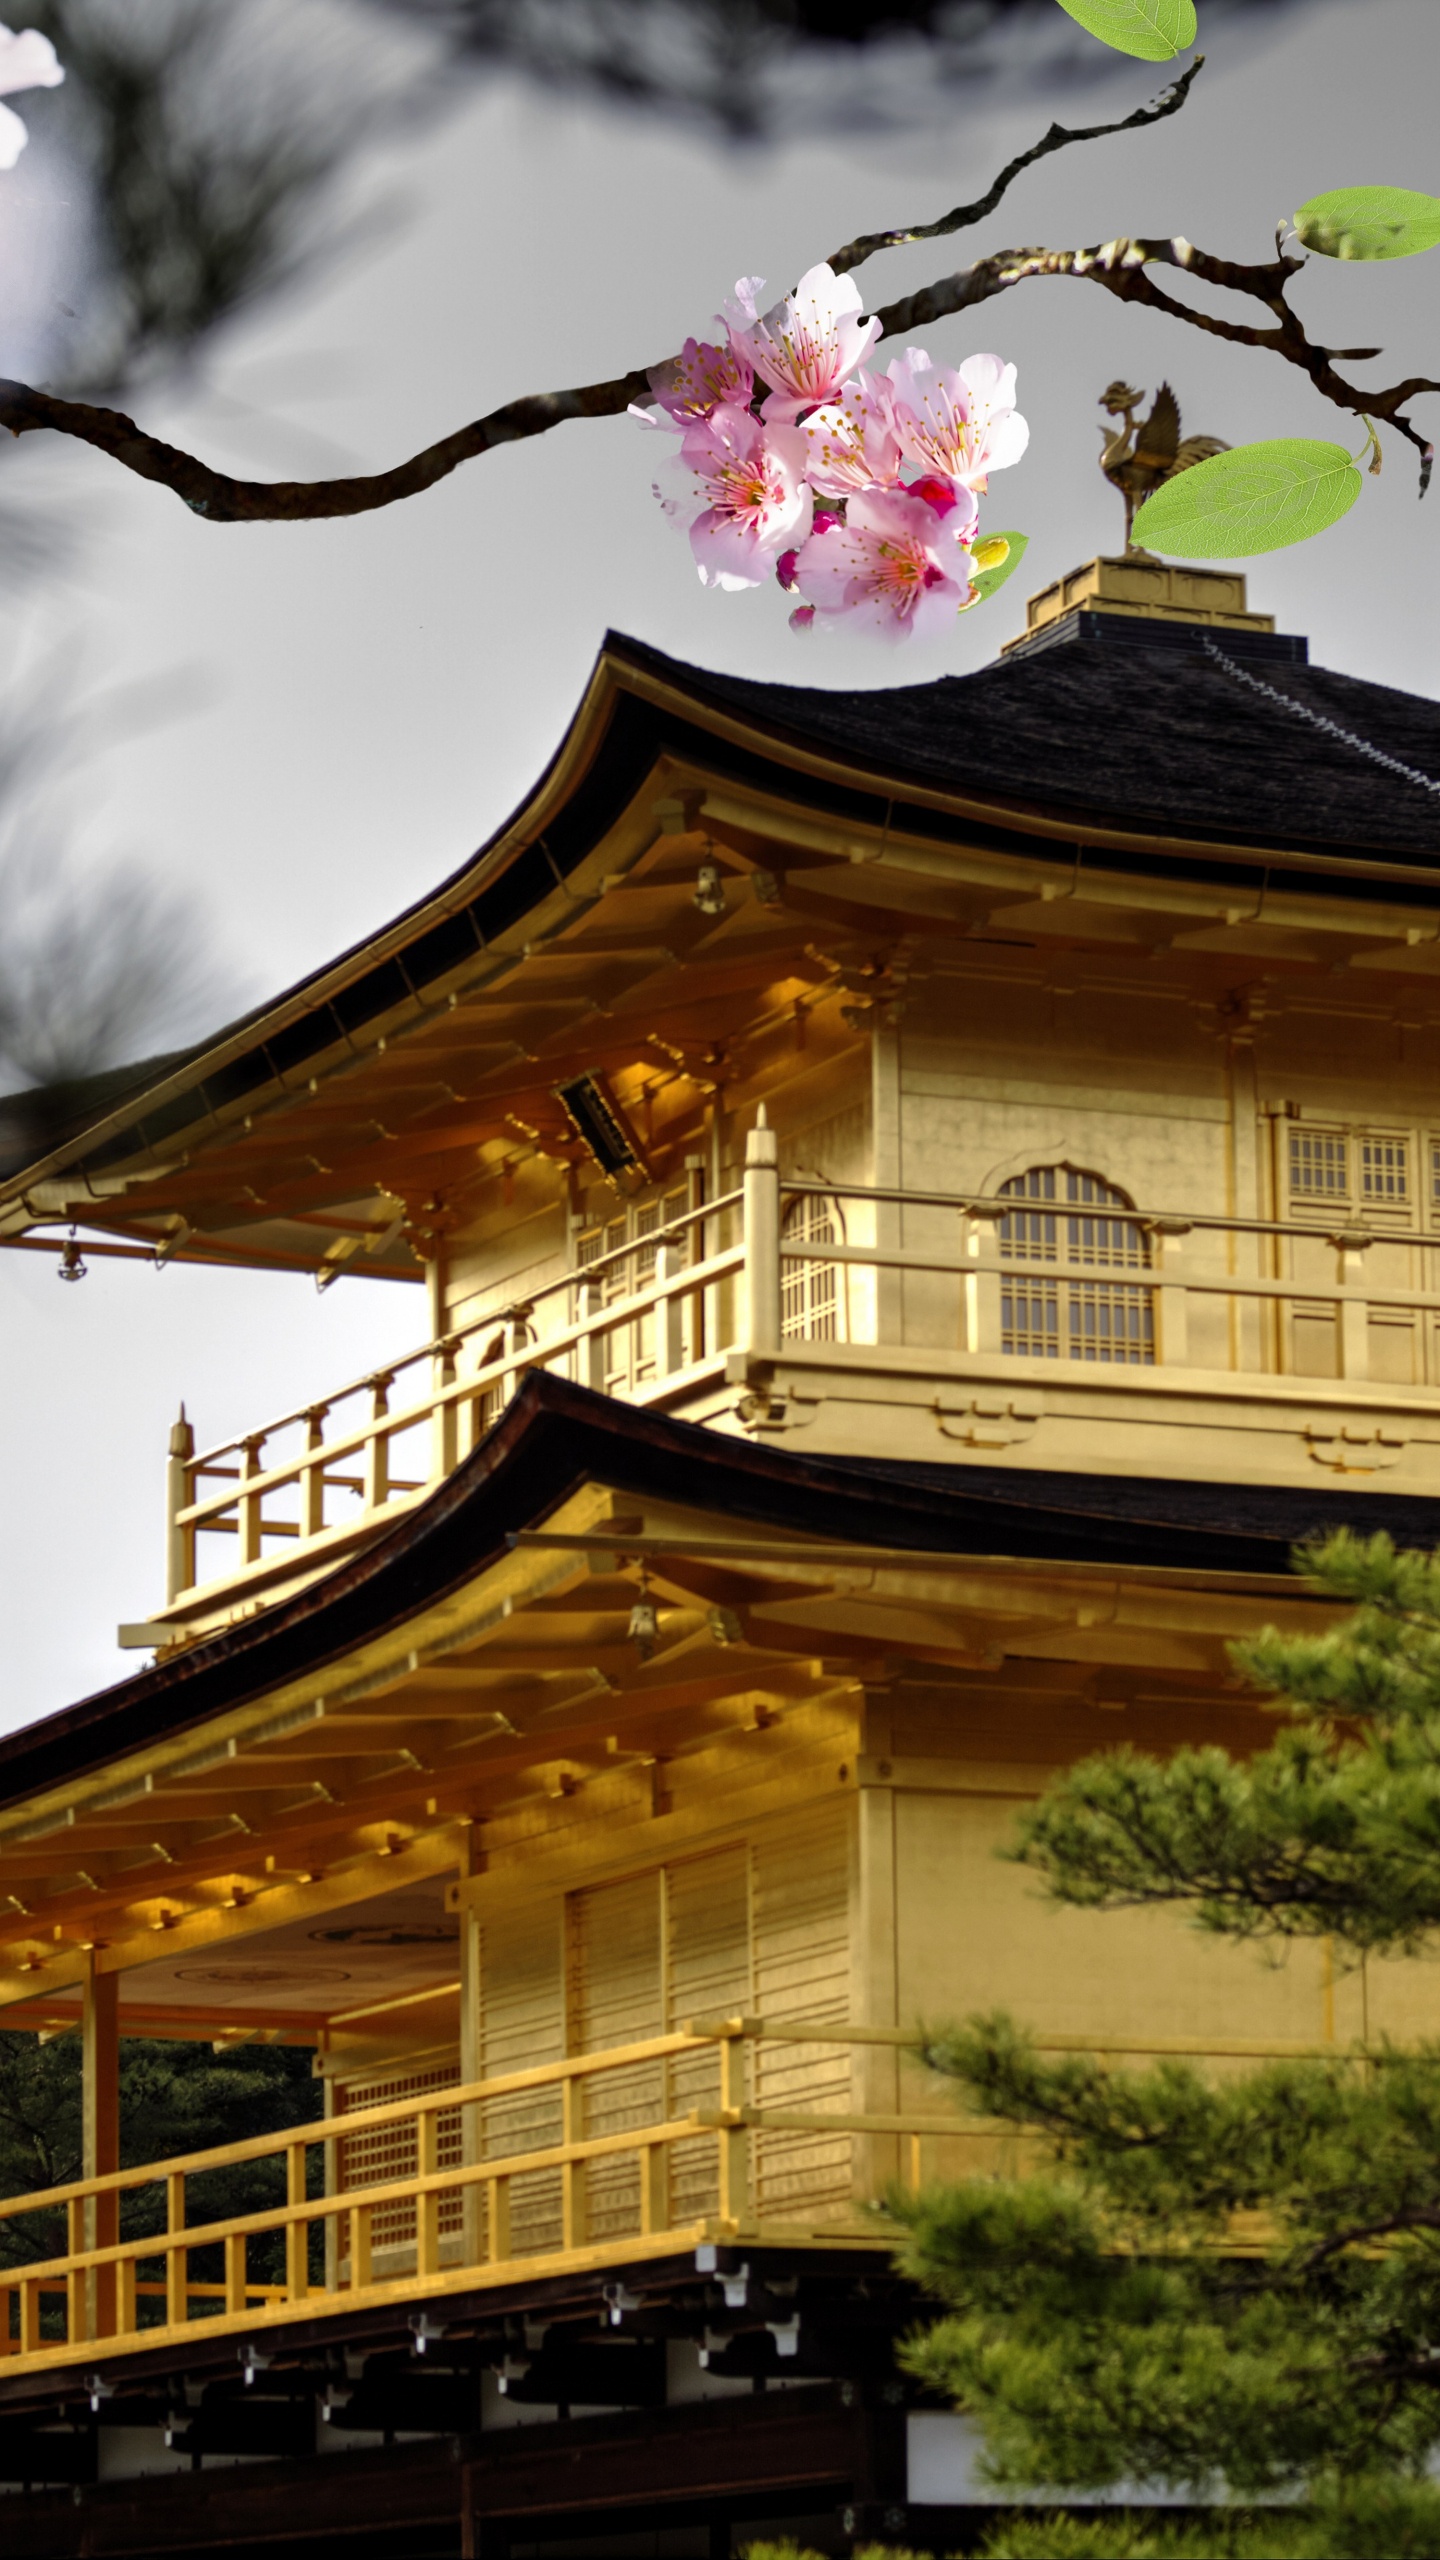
(378, 694)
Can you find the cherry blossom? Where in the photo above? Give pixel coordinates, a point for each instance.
(806, 345)
(856, 490)
(961, 425)
(27, 61)
(896, 566)
(739, 489)
(705, 376)
(850, 441)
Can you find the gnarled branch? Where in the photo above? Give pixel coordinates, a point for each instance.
(1168, 103)
(1120, 266)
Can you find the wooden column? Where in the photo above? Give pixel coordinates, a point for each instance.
(874, 1983)
(100, 2130)
(471, 2050)
(1172, 1347)
(888, 1175)
(762, 1237)
(179, 1494)
(1353, 1327)
(984, 1325)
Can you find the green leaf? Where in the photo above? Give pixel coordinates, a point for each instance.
(1257, 498)
(985, 581)
(1369, 222)
(1155, 30)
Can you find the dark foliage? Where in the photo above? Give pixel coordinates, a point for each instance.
(1228, 2288)
(174, 2098)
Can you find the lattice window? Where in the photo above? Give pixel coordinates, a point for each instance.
(1385, 1171)
(1319, 1165)
(809, 1306)
(1072, 1221)
(392, 2150)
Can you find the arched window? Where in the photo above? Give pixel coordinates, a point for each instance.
(809, 1295)
(1069, 1217)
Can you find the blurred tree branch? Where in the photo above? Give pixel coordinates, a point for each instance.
(206, 139)
(1118, 266)
(755, 67)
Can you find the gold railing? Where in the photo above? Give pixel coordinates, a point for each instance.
(568, 1325)
(1168, 1294)
(527, 2187)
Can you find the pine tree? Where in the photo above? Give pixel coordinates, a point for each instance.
(173, 2098)
(1229, 2289)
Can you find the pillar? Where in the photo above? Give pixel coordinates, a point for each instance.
(100, 2130)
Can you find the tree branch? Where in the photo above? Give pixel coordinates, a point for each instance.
(1169, 103)
(1119, 266)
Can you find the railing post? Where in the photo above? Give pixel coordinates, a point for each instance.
(593, 1348)
(670, 1312)
(177, 2285)
(572, 2173)
(312, 1474)
(1172, 1307)
(445, 1420)
(361, 2225)
(1353, 1330)
(499, 2221)
(179, 1494)
(983, 1325)
(654, 2187)
(252, 1460)
(515, 1321)
(427, 2207)
(377, 1447)
(77, 2284)
(733, 2138)
(297, 2234)
(762, 1237)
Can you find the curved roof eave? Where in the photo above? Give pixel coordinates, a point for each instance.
(687, 714)
(555, 1437)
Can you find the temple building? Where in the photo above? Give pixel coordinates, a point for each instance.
(917, 1200)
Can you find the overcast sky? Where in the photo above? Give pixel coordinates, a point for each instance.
(375, 696)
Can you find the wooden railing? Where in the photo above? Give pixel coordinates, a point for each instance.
(527, 2187)
(1169, 1295)
(527, 2184)
(446, 1404)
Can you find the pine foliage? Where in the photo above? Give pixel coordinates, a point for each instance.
(1225, 2289)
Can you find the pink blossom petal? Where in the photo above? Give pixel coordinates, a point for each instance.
(894, 567)
(958, 425)
(27, 62)
(806, 344)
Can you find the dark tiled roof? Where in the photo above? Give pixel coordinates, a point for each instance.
(1110, 724)
(554, 1437)
(1144, 736)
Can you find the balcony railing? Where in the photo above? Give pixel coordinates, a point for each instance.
(604, 2159)
(768, 1268)
(638, 2151)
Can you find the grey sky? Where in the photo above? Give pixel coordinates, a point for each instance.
(381, 692)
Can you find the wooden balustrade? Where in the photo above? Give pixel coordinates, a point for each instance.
(571, 1324)
(451, 1403)
(48, 2308)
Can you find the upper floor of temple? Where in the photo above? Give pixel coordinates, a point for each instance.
(1036, 1067)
